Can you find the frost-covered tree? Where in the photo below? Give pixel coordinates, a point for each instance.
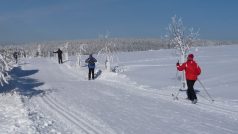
(38, 53)
(4, 67)
(109, 53)
(66, 53)
(181, 39)
(82, 50)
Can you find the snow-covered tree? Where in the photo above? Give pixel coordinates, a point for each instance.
(109, 53)
(181, 39)
(38, 53)
(66, 53)
(4, 67)
(82, 50)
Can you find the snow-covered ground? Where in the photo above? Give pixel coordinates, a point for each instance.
(45, 97)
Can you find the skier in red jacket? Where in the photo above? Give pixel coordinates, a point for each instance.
(192, 70)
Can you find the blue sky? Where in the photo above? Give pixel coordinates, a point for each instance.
(36, 20)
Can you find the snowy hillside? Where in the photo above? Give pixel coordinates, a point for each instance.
(44, 97)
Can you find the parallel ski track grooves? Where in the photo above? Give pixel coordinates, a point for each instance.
(203, 104)
(210, 107)
(217, 108)
(71, 117)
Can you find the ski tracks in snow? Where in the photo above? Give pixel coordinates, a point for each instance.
(204, 114)
(228, 109)
(80, 122)
(218, 107)
(84, 123)
(49, 105)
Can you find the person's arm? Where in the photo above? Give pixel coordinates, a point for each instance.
(95, 60)
(87, 60)
(198, 70)
(182, 67)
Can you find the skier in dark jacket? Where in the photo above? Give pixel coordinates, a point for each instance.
(91, 66)
(15, 55)
(59, 56)
(192, 70)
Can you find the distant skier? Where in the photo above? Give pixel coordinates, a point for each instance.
(192, 70)
(15, 55)
(91, 66)
(59, 56)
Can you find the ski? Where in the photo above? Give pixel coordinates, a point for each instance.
(175, 97)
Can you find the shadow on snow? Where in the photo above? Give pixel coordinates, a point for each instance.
(22, 84)
(99, 72)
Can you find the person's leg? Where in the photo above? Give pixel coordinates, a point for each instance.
(193, 94)
(59, 60)
(190, 91)
(89, 74)
(188, 95)
(93, 73)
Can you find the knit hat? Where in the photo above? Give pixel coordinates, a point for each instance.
(190, 56)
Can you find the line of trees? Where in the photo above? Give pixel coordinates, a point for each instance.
(45, 49)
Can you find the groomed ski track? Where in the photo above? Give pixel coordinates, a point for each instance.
(114, 104)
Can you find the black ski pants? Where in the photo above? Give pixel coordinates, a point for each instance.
(60, 60)
(16, 59)
(91, 73)
(190, 92)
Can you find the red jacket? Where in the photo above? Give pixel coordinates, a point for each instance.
(192, 70)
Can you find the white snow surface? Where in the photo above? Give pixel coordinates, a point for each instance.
(44, 97)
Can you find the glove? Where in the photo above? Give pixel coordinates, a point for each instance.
(177, 64)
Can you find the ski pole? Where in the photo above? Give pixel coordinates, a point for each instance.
(177, 75)
(176, 96)
(204, 97)
(206, 90)
(177, 72)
